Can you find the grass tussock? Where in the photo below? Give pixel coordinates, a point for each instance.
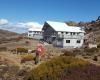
(9, 66)
(9, 58)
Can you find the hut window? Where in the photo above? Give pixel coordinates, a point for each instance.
(29, 35)
(73, 33)
(61, 32)
(67, 41)
(30, 31)
(66, 32)
(78, 41)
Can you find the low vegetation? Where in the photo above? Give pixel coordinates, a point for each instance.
(3, 48)
(19, 50)
(98, 45)
(68, 53)
(86, 72)
(54, 68)
(27, 57)
(91, 51)
(56, 63)
(9, 66)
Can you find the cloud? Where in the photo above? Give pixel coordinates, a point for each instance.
(33, 24)
(26, 25)
(3, 21)
(19, 27)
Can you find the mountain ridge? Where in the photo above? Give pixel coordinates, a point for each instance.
(6, 33)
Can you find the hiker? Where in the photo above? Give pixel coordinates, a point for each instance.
(39, 52)
(37, 57)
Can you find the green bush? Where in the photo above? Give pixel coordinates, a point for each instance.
(27, 57)
(21, 49)
(53, 69)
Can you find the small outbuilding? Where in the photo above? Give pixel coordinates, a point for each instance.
(35, 33)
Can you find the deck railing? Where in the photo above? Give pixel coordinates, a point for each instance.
(70, 36)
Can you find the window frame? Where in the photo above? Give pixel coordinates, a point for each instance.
(30, 31)
(67, 41)
(78, 41)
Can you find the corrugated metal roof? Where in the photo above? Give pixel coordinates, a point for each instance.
(61, 26)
